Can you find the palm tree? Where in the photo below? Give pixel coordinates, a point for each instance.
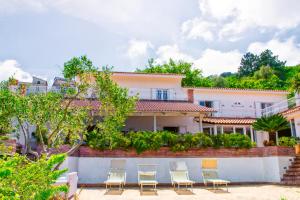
(271, 124)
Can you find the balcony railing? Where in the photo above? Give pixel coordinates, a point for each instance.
(236, 112)
(280, 106)
(150, 93)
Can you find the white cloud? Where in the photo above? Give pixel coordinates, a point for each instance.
(211, 61)
(138, 48)
(198, 28)
(166, 52)
(11, 68)
(215, 62)
(287, 50)
(13, 6)
(268, 13)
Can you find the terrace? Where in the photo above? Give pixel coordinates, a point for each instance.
(245, 192)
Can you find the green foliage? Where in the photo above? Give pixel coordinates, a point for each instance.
(193, 77)
(251, 63)
(287, 141)
(24, 179)
(271, 124)
(77, 66)
(147, 140)
(232, 140)
(263, 71)
(115, 107)
(295, 83)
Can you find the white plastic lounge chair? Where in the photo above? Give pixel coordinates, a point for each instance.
(147, 176)
(210, 174)
(180, 175)
(116, 174)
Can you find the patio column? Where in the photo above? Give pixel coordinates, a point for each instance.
(200, 123)
(215, 130)
(234, 129)
(251, 134)
(222, 129)
(244, 130)
(276, 137)
(154, 123)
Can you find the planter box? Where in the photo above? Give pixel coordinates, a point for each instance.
(164, 152)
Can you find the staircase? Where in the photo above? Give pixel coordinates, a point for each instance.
(292, 175)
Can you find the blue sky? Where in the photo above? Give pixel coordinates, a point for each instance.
(38, 36)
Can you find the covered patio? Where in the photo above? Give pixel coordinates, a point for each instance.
(221, 125)
(175, 116)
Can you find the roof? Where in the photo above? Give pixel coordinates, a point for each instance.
(153, 106)
(228, 120)
(291, 110)
(149, 74)
(238, 89)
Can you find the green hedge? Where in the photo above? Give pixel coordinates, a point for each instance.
(287, 141)
(148, 140)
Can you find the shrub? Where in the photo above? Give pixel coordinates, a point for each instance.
(146, 140)
(169, 139)
(30, 180)
(234, 140)
(287, 141)
(237, 140)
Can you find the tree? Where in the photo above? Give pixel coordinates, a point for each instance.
(271, 124)
(21, 178)
(265, 72)
(115, 107)
(52, 114)
(193, 77)
(249, 64)
(295, 83)
(218, 81)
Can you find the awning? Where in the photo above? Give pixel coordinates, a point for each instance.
(227, 120)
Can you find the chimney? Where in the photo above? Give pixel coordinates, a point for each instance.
(190, 94)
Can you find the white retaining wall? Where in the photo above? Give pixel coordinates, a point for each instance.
(236, 169)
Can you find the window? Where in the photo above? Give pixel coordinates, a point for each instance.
(208, 104)
(265, 105)
(293, 128)
(174, 129)
(162, 94)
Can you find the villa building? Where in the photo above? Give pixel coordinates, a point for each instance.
(165, 105)
(37, 85)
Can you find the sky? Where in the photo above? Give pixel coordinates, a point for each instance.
(38, 36)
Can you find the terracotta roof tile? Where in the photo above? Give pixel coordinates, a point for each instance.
(291, 110)
(239, 89)
(225, 120)
(153, 106)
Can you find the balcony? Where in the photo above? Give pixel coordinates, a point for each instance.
(236, 112)
(281, 106)
(151, 93)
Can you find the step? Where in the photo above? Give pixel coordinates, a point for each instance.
(292, 174)
(295, 165)
(290, 182)
(290, 178)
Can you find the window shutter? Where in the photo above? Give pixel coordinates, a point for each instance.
(153, 93)
(171, 94)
